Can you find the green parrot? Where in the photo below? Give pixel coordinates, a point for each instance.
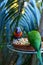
(34, 38)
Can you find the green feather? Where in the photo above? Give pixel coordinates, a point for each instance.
(34, 38)
(39, 57)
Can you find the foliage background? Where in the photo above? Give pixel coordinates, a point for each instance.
(9, 13)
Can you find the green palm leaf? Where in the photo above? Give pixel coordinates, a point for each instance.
(10, 17)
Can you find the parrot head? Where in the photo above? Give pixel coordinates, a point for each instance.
(18, 32)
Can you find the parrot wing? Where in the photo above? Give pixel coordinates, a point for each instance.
(34, 39)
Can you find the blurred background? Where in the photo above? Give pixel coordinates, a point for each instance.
(14, 12)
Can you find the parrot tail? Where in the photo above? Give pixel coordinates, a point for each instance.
(39, 57)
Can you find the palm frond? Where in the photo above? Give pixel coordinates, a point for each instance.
(10, 17)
